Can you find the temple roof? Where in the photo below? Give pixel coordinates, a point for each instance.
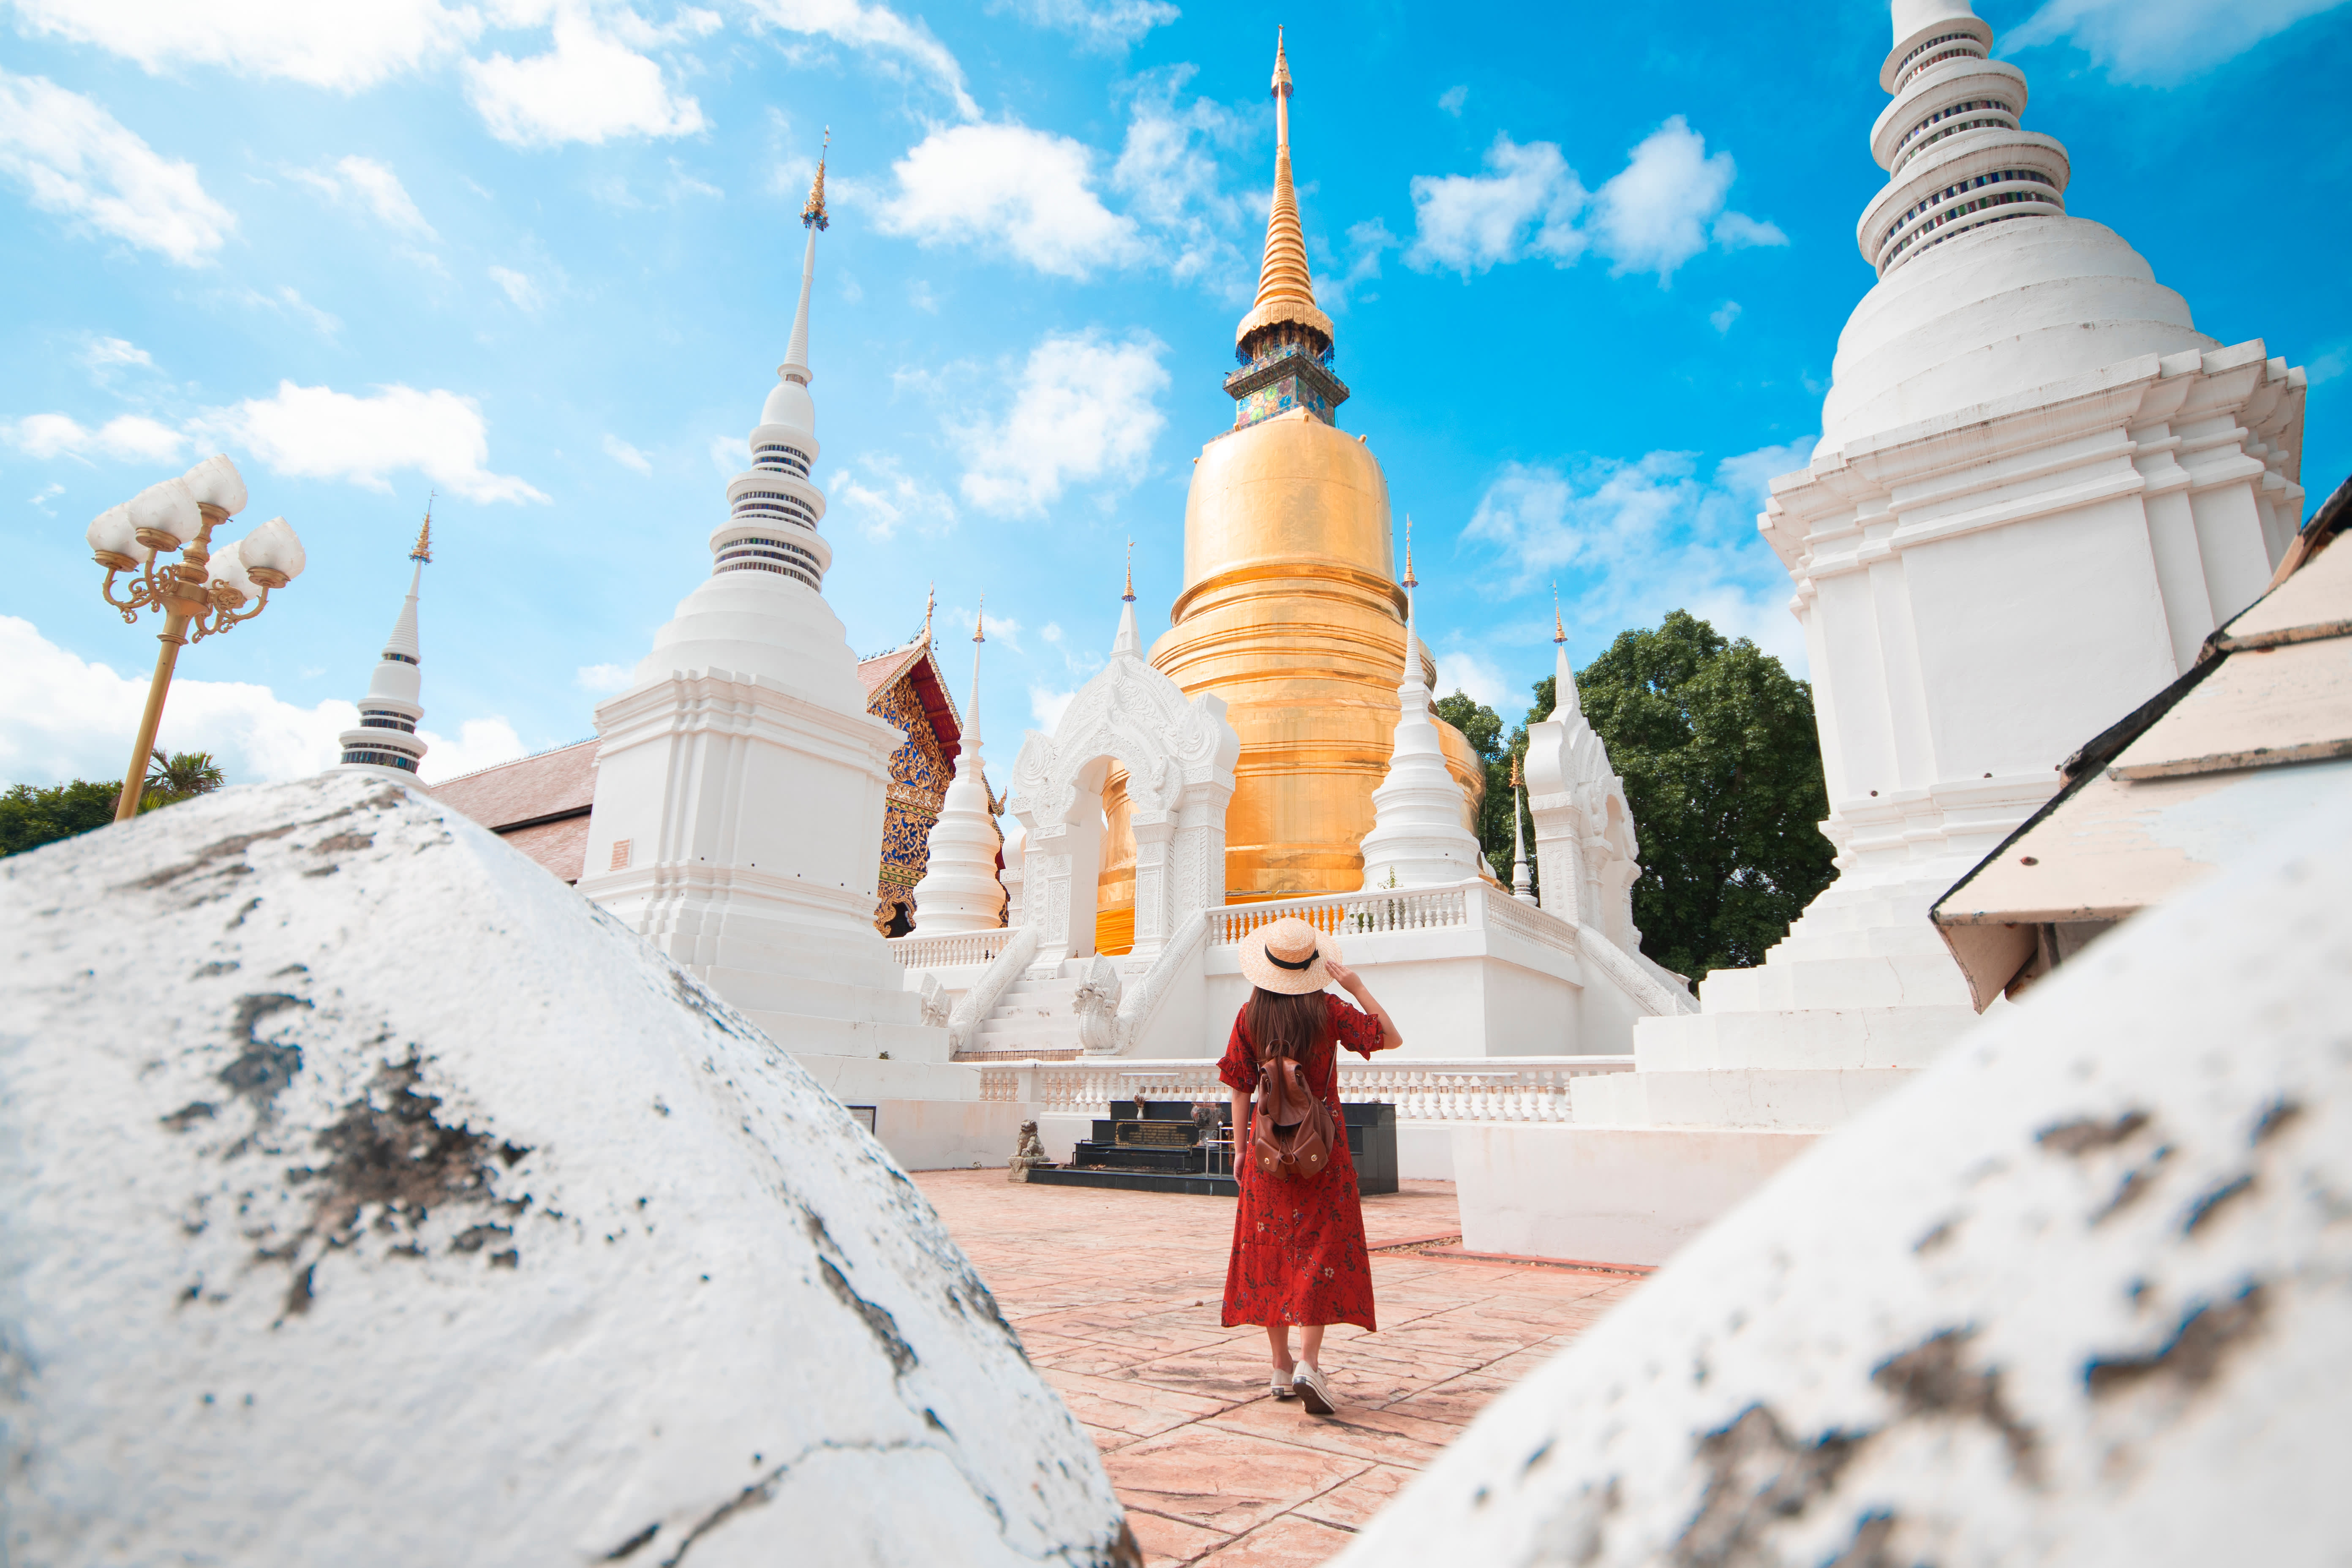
(917, 661)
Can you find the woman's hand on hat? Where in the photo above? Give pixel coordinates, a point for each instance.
(1341, 975)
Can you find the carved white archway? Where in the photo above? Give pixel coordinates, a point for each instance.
(1178, 754)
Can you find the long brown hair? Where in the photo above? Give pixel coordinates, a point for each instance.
(1281, 1025)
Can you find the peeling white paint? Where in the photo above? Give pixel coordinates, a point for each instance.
(2079, 1293)
(493, 1238)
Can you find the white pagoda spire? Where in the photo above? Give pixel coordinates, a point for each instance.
(1564, 698)
(959, 891)
(1128, 641)
(1523, 887)
(386, 741)
(1419, 836)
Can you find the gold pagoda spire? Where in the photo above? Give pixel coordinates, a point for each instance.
(1128, 596)
(980, 622)
(1559, 629)
(1408, 578)
(424, 550)
(813, 213)
(1285, 288)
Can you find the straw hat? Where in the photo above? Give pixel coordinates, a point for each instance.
(1287, 956)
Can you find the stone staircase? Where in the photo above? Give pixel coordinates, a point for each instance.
(1033, 1018)
(1860, 995)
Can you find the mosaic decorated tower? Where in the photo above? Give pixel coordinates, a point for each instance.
(1289, 608)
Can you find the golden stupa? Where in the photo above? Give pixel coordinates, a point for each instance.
(1290, 609)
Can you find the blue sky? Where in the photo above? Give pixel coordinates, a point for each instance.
(1588, 265)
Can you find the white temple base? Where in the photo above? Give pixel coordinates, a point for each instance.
(1638, 1194)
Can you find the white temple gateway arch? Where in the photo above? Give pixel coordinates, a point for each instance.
(1178, 754)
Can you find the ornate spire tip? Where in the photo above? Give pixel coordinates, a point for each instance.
(979, 620)
(1408, 580)
(1128, 596)
(1558, 630)
(813, 213)
(424, 550)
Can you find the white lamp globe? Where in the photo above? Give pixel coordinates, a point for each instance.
(216, 482)
(169, 508)
(272, 547)
(228, 567)
(112, 532)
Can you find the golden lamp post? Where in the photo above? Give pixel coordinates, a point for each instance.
(201, 592)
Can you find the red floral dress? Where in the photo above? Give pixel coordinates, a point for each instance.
(1298, 1247)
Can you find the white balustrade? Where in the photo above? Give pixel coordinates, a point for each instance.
(955, 950)
(1477, 1088)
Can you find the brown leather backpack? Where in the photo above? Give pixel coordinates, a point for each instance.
(1291, 1130)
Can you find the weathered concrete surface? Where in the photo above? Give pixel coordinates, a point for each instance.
(2081, 1293)
(372, 1199)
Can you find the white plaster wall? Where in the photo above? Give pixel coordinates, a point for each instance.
(374, 1200)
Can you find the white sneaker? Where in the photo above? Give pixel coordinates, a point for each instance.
(1279, 1385)
(1313, 1392)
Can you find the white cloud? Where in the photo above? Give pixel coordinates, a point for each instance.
(1662, 209)
(45, 495)
(104, 354)
(126, 438)
(628, 456)
(374, 186)
(2160, 43)
(1723, 315)
(954, 620)
(1108, 25)
(344, 47)
(1631, 541)
(731, 455)
(603, 679)
(522, 292)
(893, 42)
(1051, 632)
(290, 300)
(74, 159)
(316, 432)
(920, 295)
(591, 87)
(1453, 98)
(62, 717)
(1473, 677)
(1046, 705)
(1656, 215)
(1083, 410)
(1525, 205)
(1026, 191)
(879, 497)
(1169, 172)
(480, 744)
(2328, 365)
(1367, 243)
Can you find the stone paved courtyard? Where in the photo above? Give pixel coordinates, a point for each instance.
(1116, 1297)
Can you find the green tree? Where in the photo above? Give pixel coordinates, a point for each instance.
(1483, 727)
(31, 816)
(1716, 745)
(182, 775)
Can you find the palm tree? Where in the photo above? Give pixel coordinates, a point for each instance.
(182, 775)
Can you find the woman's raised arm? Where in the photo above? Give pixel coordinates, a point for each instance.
(1354, 984)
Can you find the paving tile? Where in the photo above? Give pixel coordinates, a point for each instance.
(1223, 1480)
(1119, 1297)
(1351, 1504)
(1122, 1404)
(1364, 1431)
(1290, 1541)
(1169, 1542)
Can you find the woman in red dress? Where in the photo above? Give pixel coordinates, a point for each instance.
(1298, 1244)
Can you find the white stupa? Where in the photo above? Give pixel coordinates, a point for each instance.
(741, 783)
(959, 891)
(1419, 838)
(386, 741)
(1586, 848)
(2038, 488)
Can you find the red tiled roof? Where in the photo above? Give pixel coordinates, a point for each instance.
(561, 783)
(561, 846)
